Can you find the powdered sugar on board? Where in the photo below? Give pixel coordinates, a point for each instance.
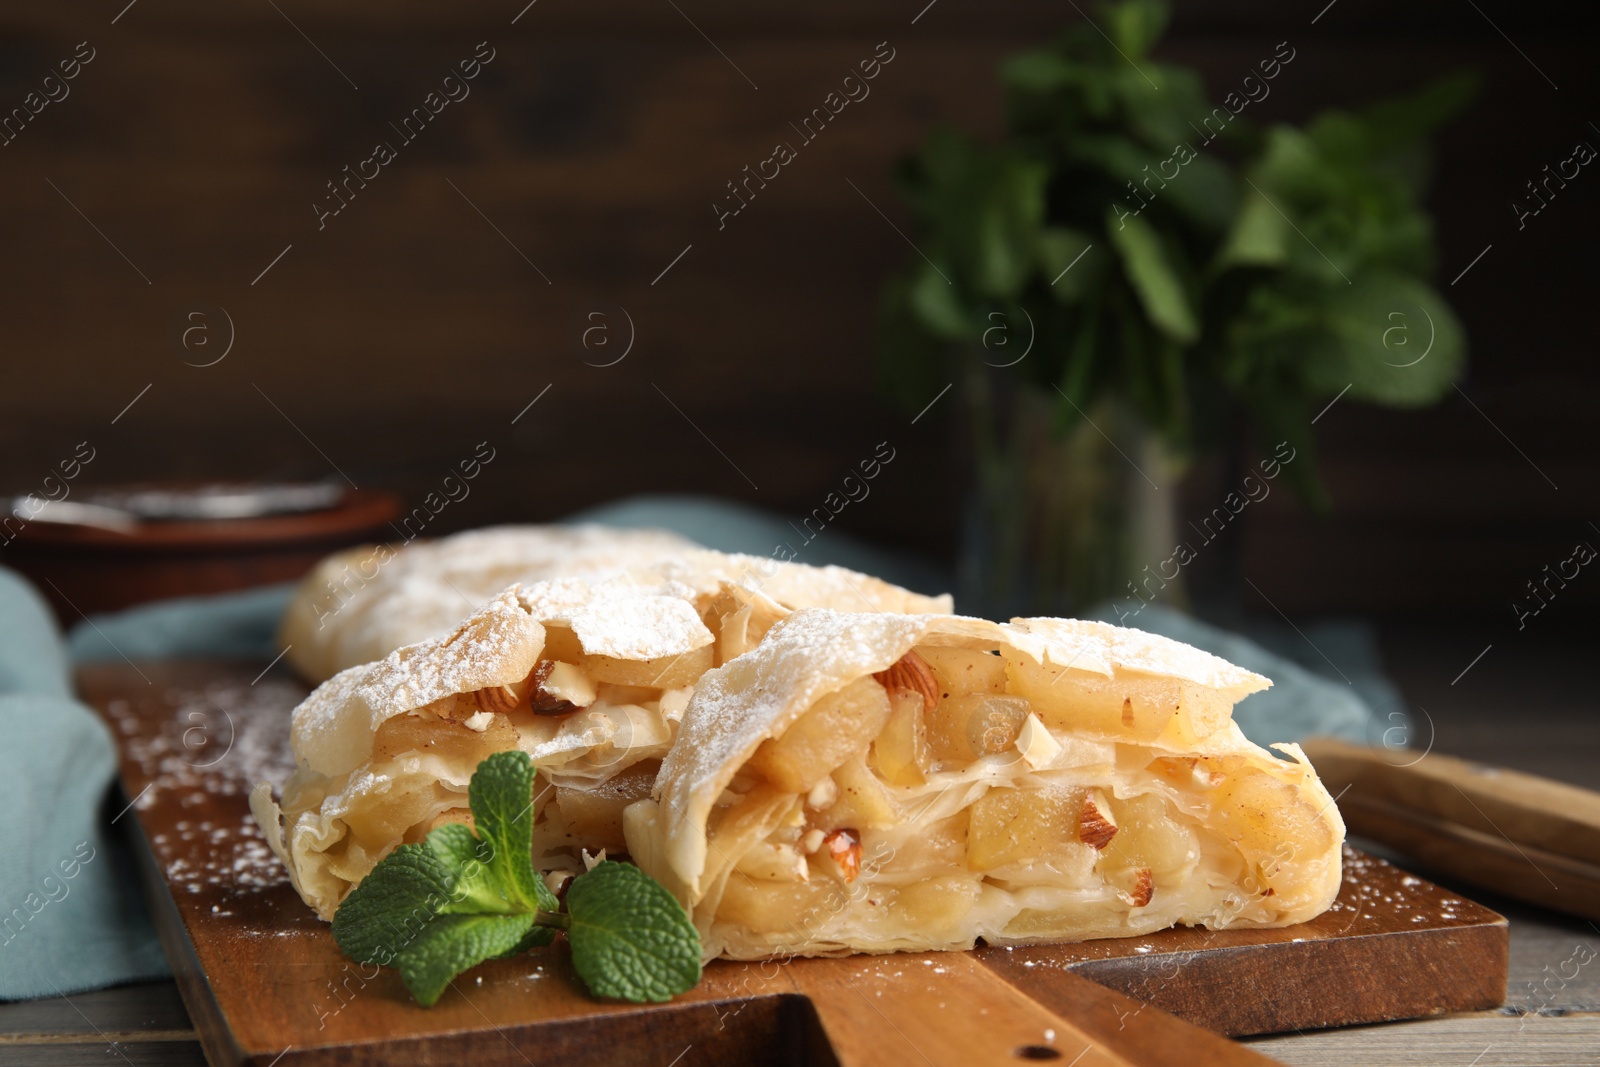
(198, 752)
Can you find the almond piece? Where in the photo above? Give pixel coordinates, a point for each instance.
(1036, 744)
(1096, 827)
(557, 882)
(541, 702)
(501, 699)
(1144, 887)
(504, 699)
(912, 672)
(823, 795)
(844, 845)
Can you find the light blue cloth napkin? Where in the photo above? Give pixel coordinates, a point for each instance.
(72, 919)
(226, 626)
(59, 764)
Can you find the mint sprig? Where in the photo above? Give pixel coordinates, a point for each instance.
(437, 909)
(501, 796)
(630, 939)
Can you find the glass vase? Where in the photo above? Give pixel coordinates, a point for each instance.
(1060, 521)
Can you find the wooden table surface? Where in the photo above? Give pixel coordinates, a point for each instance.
(1526, 705)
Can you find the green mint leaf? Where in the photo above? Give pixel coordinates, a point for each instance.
(455, 943)
(536, 937)
(1147, 260)
(437, 909)
(455, 844)
(393, 905)
(630, 938)
(476, 889)
(501, 795)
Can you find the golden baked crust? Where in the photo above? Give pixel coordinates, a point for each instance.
(359, 605)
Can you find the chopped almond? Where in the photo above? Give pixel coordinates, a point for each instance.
(544, 696)
(844, 845)
(551, 688)
(501, 699)
(822, 795)
(1096, 827)
(912, 672)
(1144, 887)
(1036, 744)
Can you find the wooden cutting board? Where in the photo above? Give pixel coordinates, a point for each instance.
(266, 985)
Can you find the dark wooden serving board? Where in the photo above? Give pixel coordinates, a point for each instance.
(266, 985)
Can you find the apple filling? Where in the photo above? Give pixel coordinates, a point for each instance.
(596, 727)
(970, 792)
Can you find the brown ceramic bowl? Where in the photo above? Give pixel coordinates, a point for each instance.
(82, 570)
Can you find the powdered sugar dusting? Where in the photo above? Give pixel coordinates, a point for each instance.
(1107, 649)
(496, 646)
(215, 742)
(640, 627)
(351, 611)
(354, 611)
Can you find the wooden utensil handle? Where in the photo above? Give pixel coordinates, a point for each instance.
(945, 1008)
(1527, 837)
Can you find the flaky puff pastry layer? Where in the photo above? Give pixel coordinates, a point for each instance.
(360, 604)
(875, 783)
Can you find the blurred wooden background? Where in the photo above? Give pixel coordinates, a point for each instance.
(416, 324)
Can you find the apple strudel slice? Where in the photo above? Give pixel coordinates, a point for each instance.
(589, 679)
(878, 783)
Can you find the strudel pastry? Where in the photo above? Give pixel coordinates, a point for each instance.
(877, 783)
(362, 603)
(590, 678)
(359, 605)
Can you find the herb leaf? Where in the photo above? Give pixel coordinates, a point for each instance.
(437, 909)
(630, 938)
(476, 889)
(455, 844)
(452, 944)
(393, 904)
(501, 794)
(1149, 267)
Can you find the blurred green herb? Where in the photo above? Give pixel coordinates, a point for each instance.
(1170, 254)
